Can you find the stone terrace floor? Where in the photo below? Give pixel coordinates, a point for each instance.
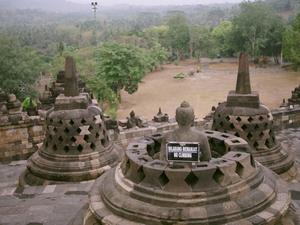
(58, 204)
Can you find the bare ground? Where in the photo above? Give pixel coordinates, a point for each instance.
(204, 90)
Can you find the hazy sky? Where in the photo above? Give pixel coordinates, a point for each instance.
(157, 2)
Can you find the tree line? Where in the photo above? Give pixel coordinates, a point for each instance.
(114, 54)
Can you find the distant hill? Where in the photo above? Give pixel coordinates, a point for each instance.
(45, 5)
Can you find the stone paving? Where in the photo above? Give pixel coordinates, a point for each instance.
(58, 204)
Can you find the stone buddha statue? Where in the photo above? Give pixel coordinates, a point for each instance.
(185, 133)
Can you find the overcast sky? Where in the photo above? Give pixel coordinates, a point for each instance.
(157, 2)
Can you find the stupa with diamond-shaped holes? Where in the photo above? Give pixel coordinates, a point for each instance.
(244, 116)
(149, 189)
(77, 145)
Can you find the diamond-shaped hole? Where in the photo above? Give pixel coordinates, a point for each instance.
(97, 135)
(78, 130)
(83, 121)
(163, 179)
(255, 144)
(55, 129)
(73, 139)
(250, 136)
(66, 130)
(218, 176)
(256, 127)
(80, 148)
(268, 143)
(71, 122)
(50, 137)
(140, 174)
(93, 146)
(221, 124)
(261, 118)
(237, 134)
(250, 119)
(191, 179)
(86, 138)
(239, 169)
(227, 118)
(244, 127)
(91, 128)
(51, 120)
(239, 119)
(60, 139)
(231, 126)
(46, 144)
(60, 122)
(261, 135)
(66, 148)
(54, 147)
(103, 142)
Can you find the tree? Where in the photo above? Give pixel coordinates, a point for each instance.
(120, 66)
(20, 67)
(178, 35)
(222, 35)
(291, 43)
(253, 28)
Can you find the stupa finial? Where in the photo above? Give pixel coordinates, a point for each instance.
(71, 79)
(243, 85)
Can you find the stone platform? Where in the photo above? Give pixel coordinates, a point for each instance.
(58, 204)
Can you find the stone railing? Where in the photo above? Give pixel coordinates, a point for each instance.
(286, 117)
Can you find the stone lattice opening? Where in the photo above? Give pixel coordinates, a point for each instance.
(78, 130)
(191, 179)
(73, 139)
(91, 128)
(71, 122)
(66, 148)
(54, 147)
(86, 138)
(60, 139)
(244, 127)
(250, 119)
(80, 148)
(83, 121)
(66, 130)
(239, 119)
(239, 169)
(218, 176)
(140, 174)
(163, 179)
(250, 136)
(93, 146)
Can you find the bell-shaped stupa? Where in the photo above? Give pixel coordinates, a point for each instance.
(244, 116)
(77, 145)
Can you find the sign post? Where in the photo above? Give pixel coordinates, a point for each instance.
(183, 152)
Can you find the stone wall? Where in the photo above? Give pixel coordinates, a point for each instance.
(20, 140)
(286, 117)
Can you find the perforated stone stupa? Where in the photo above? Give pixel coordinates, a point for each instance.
(244, 116)
(77, 145)
(229, 190)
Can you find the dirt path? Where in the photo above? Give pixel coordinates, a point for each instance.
(160, 89)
